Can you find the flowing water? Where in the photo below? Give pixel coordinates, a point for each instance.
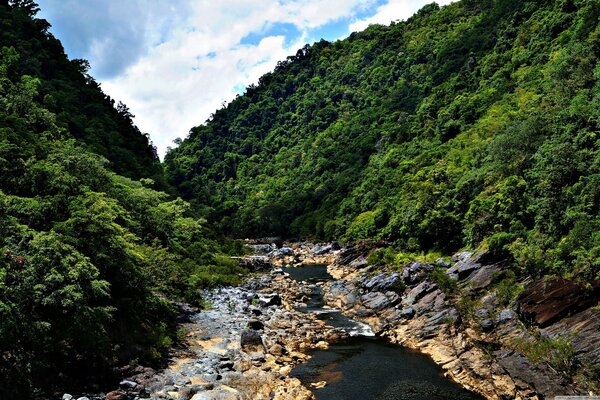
(364, 367)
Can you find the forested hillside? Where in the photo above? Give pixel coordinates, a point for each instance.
(475, 124)
(88, 258)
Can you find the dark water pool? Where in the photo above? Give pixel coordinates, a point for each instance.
(363, 367)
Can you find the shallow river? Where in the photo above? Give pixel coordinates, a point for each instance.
(364, 367)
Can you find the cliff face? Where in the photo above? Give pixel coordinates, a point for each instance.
(474, 323)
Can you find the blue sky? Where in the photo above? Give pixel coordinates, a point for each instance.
(174, 62)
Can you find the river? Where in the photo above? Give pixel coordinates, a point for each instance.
(365, 367)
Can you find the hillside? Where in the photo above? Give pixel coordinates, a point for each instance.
(471, 125)
(89, 259)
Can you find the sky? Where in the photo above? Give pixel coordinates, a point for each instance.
(174, 62)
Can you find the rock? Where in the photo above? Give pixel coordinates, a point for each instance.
(255, 263)
(269, 300)
(262, 248)
(383, 282)
(486, 275)
(251, 340)
(83, 398)
(547, 301)
(67, 396)
(418, 292)
(583, 331)
(282, 252)
(407, 313)
(126, 384)
(320, 250)
(481, 313)
(277, 271)
(377, 301)
(256, 325)
(506, 315)
(116, 395)
(318, 385)
(486, 325)
(465, 267)
(255, 310)
(415, 272)
(544, 380)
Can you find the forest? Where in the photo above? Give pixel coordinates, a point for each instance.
(472, 125)
(93, 252)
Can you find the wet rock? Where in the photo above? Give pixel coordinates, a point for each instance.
(67, 396)
(251, 340)
(547, 301)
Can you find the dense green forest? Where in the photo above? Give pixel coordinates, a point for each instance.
(475, 124)
(89, 259)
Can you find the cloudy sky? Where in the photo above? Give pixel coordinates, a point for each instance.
(174, 62)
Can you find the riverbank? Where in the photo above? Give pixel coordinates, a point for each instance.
(252, 337)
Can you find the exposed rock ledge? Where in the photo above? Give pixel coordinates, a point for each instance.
(475, 352)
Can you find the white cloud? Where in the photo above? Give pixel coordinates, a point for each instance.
(174, 63)
(392, 11)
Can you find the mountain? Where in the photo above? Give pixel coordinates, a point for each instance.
(474, 124)
(91, 254)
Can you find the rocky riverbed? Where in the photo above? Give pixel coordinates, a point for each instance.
(472, 331)
(250, 339)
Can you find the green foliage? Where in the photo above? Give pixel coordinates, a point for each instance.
(508, 289)
(471, 124)
(557, 352)
(90, 261)
(444, 282)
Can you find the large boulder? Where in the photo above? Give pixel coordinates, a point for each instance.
(548, 301)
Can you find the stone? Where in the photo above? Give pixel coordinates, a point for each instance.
(418, 292)
(320, 250)
(415, 272)
(269, 300)
(282, 252)
(407, 313)
(277, 271)
(256, 325)
(506, 315)
(543, 379)
(116, 395)
(83, 398)
(126, 384)
(377, 301)
(318, 385)
(547, 301)
(486, 325)
(255, 310)
(67, 396)
(383, 282)
(486, 275)
(251, 340)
